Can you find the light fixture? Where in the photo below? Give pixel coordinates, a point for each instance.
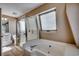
(4, 18)
(14, 13)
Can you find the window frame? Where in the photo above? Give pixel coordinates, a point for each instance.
(48, 11)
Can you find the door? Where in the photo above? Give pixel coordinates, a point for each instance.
(0, 32)
(32, 29)
(21, 30)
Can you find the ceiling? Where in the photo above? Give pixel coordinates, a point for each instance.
(17, 9)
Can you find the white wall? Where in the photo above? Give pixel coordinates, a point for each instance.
(12, 25)
(73, 17)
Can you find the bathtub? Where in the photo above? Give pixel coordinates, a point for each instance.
(48, 48)
(30, 44)
(45, 47)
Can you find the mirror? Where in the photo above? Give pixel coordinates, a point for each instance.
(4, 25)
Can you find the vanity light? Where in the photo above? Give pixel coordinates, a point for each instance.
(4, 19)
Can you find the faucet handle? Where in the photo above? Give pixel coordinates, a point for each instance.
(50, 46)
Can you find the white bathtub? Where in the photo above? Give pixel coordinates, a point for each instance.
(41, 48)
(48, 48)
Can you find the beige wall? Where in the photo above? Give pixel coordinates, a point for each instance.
(73, 17)
(63, 32)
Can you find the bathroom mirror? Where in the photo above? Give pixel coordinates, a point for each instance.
(4, 25)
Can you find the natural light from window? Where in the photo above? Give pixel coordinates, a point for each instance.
(48, 20)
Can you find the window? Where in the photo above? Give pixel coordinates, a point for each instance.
(48, 20)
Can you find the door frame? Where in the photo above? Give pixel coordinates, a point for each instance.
(17, 34)
(0, 32)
